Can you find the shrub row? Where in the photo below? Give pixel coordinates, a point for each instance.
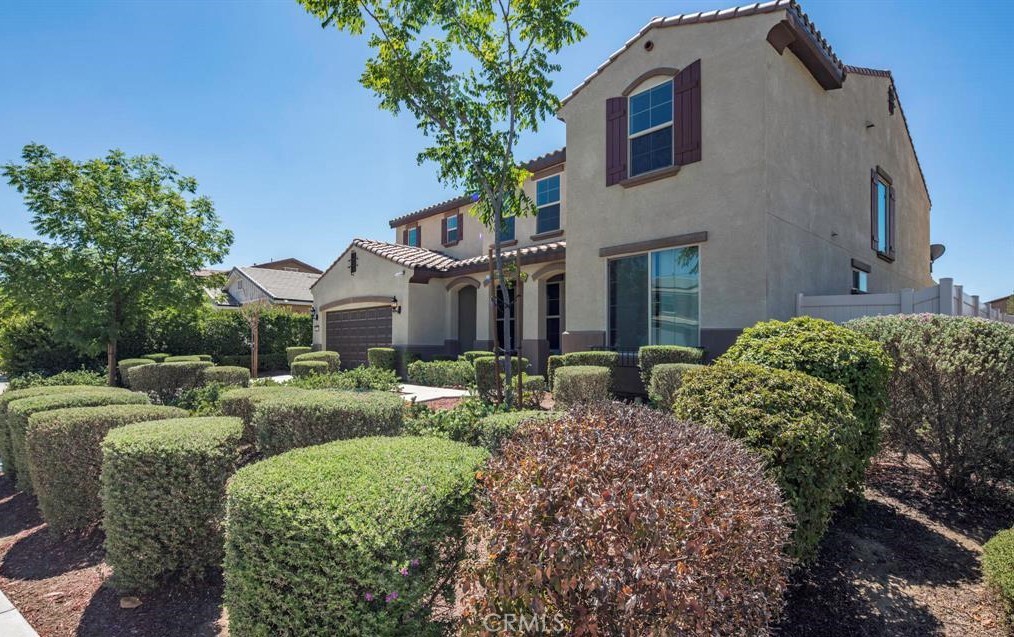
(556, 529)
(226, 375)
(383, 358)
(331, 359)
(362, 377)
(357, 530)
(165, 382)
(665, 380)
(473, 354)
(300, 369)
(292, 352)
(76, 377)
(596, 359)
(459, 373)
(265, 362)
(241, 403)
(65, 458)
(651, 355)
(158, 358)
(579, 384)
(162, 491)
(486, 370)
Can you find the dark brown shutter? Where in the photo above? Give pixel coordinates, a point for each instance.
(404, 236)
(616, 140)
(443, 230)
(874, 225)
(461, 226)
(687, 114)
(418, 236)
(891, 226)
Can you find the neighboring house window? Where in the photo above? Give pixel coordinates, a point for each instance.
(650, 130)
(654, 299)
(507, 229)
(547, 201)
(452, 229)
(412, 237)
(860, 281)
(882, 219)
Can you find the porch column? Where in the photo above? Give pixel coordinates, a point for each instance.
(534, 346)
(483, 337)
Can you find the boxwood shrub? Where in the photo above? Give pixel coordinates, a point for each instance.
(998, 570)
(165, 382)
(242, 402)
(833, 353)
(651, 355)
(125, 366)
(358, 531)
(492, 431)
(597, 359)
(265, 361)
(803, 427)
(19, 411)
(486, 368)
(579, 384)
(163, 497)
(65, 458)
(473, 354)
(9, 396)
(331, 358)
(383, 357)
(300, 369)
(441, 373)
(286, 421)
(158, 358)
(951, 394)
(362, 377)
(556, 527)
(665, 380)
(187, 358)
(226, 375)
(292, 352)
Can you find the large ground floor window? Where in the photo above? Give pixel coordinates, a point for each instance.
(654, 299)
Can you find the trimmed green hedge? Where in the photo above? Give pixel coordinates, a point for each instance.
(187, 358)
(167, 381)
(292, 352)
(242, 403)
(362, 377)
(356, 530)
(19, 411)
(473, 354)
(998, 570)
(492, 431)
(9, 396)
(441, 373)
(265, 362)
(830, 352)
(163, 497)
(803, 427)
(300, 369)
(383, 357)
(287, 421)
(332, 359)
(596, 359)
(65, 458)
(486, 368)
(651, 355)
(158, 358)
(72, 377)
(226, 375)
(665, 380)
(580, 384)
(125, 366)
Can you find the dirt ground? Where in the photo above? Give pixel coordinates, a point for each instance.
(905, 563)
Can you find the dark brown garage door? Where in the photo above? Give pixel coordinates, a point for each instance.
(352, 332)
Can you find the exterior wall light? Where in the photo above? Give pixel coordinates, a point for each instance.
(395, 307)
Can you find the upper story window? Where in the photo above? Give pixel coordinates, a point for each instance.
(882, 221)
(651, 129)
(547, 201)
(412, 237)
(453, 233)
(507, 229)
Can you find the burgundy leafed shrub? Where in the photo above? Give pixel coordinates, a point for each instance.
(620, 520)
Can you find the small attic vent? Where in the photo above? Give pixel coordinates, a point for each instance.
(353, 263)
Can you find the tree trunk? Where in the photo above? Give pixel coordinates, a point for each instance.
(111, 362)
(505, 292)
(255, 339)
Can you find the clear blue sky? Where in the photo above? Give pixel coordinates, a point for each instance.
(264, 109)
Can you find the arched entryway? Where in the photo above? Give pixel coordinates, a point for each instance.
(466, 318)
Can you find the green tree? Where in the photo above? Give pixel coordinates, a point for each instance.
(1010, 304)
(475, 111)
(120, 237)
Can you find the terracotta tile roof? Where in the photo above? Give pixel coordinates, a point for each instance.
(533, 165)
(408, 256)
(552, 247)
(714, 16)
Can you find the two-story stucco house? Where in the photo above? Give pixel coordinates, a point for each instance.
(716, 166)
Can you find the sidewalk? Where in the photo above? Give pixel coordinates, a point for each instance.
(421, 393)
(12, 624)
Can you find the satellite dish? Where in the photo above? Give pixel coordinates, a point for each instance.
(936, 251)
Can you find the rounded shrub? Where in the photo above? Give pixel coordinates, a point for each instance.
(486, 369)
(803, 427)
(651, 355)
(292, 352)
(473, 354)
(557, 527)
(126, 364)
(158, 358)
(188, 358)
(9, 396)
(383, 357)
(300, 369)
(65, 458)
(358, 531)
(242, 402)
(226, 375)
(165, 382)
(286, 421)
(597, 359)
(665, 380)
(998, 570)
(951, 394)
(574, 385)
(833, 353)
(331, 358)
(492, 431)
(19, 411)
(441, 373)
(163, 498)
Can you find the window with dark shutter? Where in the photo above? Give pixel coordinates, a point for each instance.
(882, 223)
(891, 224)
(687, 114)
(616, 140)
(443, 231)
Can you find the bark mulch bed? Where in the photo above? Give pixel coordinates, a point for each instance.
(904, 563)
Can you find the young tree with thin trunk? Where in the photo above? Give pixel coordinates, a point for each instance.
(120, 239)
(475, 111)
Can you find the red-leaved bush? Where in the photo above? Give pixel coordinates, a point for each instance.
(620, 520)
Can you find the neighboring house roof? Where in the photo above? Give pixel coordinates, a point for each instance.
(1003, 300)
(276, 264)
(541, 162)
(430, 263)
(209, 272)
(281, 285)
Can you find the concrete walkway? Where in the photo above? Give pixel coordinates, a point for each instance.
(421, 393)
(12, 624)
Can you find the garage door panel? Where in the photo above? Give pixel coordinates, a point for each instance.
(352, 332)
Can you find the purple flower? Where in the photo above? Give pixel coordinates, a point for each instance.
(368, 597)
(415, 563)
(404, 572)
(393, 595)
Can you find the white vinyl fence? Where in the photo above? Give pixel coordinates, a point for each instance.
(943, 298)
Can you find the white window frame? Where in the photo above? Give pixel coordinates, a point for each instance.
(455, 229)
(648, 131)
